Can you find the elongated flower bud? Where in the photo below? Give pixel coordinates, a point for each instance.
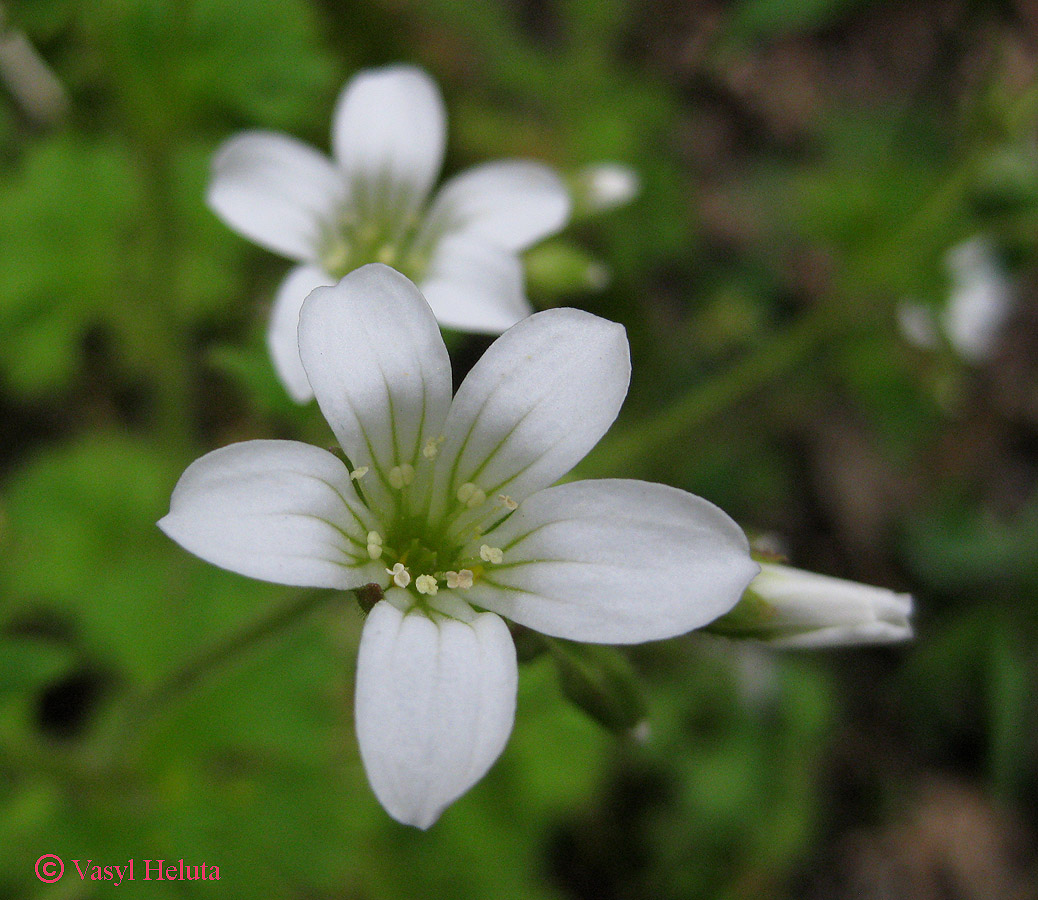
(789, 607)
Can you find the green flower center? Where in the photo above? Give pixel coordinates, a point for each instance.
(379, 224)
(422, 554)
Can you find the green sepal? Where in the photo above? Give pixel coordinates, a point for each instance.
(602, 682)
(745, 619)
(529, 645)
(558, 268)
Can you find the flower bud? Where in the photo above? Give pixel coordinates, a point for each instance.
(556, 269)
(601, 681)
(789, 607)
(603, 186)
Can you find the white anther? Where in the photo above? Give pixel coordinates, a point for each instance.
(399, 476)
(466, 491)
(490, 554)
(426, 584)
(374, 544)
(507, 501)
(401, 577)
(478, 498)
(432, 447)
(462, 579)
(358, 473)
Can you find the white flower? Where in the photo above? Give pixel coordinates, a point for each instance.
(979, 304)
(602, 561)
(980, 301)
(917, 325)
(790, 607)
(371, 205)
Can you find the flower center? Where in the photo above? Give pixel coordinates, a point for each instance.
(430, 560)
(392, 237)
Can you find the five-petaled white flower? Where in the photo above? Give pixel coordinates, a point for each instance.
(449, 508)
(370, 205)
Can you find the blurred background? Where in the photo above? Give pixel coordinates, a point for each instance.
(828, 282)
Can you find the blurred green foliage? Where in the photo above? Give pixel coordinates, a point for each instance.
(802, 173)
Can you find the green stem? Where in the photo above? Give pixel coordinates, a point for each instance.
(701, 404)
(162, 331)
(134, 716)
(835, 316)
(233, 646)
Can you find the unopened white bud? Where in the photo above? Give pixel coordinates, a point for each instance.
(804, 609)
(604, 186)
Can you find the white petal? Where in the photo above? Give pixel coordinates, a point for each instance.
(378, 367)
(283, 334)
(512, 203)
(475, 286)
(533, 406)
(275, 191)
(616, 562)
(843, 636)
(389, 132)
(277, 510)
(435, 704)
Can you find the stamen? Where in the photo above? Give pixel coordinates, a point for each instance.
(374, 544)
(471, 495)
(386, 254)
(462, 579)
(399, 476)
(401, 577)
(426, 584)
(508, 501)
(358, 473)
(490, 554)
(432, 447)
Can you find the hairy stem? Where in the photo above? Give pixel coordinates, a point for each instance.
(134, 716)
(843, 310)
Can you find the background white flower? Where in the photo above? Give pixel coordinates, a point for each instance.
(448, 506)
(980, 302)
(370, 204)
